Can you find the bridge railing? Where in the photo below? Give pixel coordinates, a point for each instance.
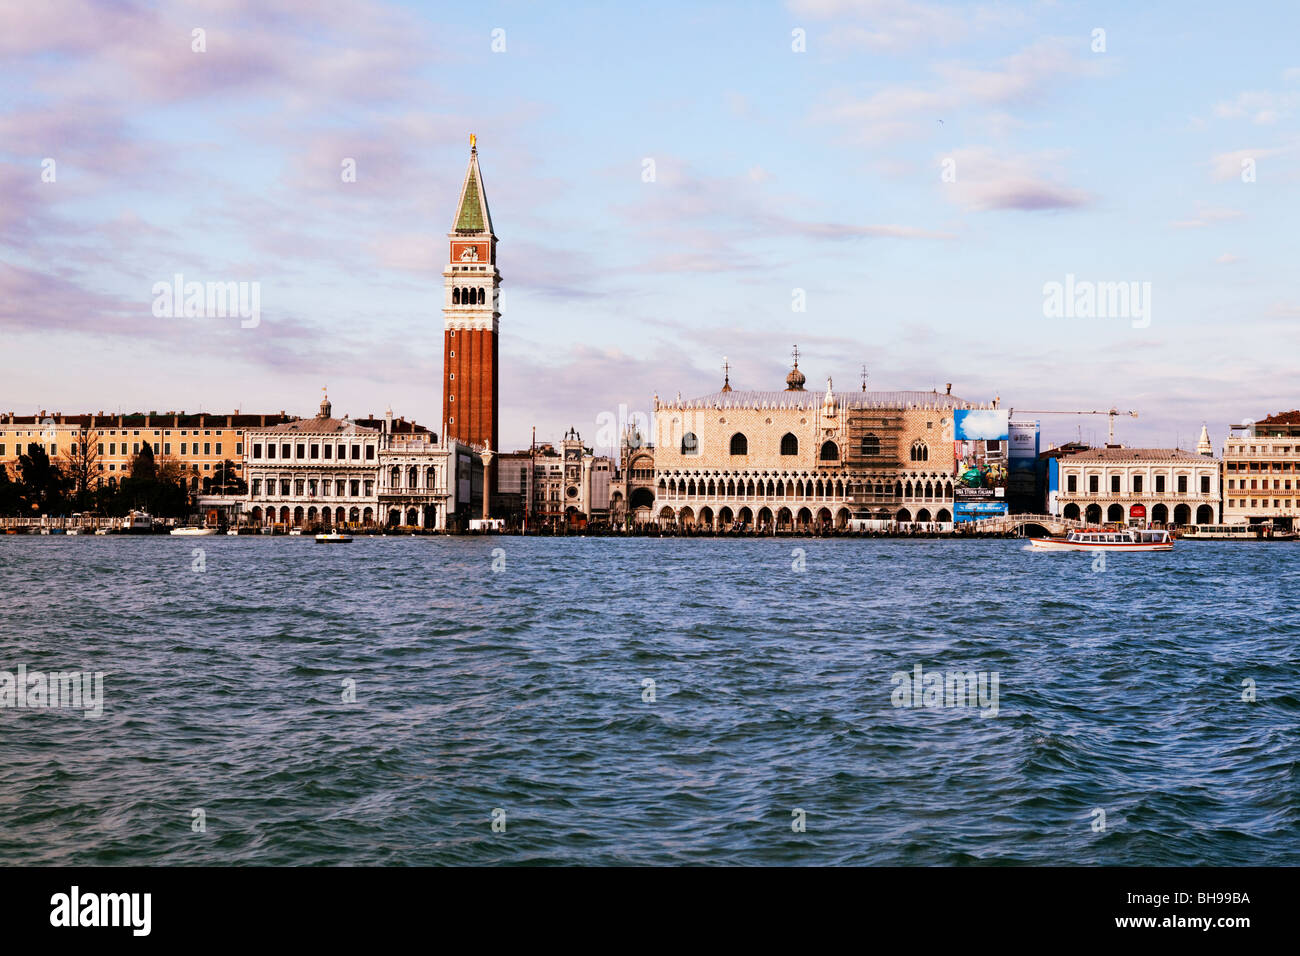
(1005, 522)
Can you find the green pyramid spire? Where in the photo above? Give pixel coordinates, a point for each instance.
(470, 217)
(473, 215)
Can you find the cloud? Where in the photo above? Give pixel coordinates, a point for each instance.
(1227, 259)
(893, 26)
(1261, 107)
(1022, 80)
(1206, 216)
(708, 223)
(1227, 166)
(986, 180)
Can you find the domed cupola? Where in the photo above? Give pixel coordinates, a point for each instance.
(795, 380)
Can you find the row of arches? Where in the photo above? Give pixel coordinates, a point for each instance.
(461, 296)
(1157, 514)
(801, 488)
(725, 518)
(412, 475)
(311, 516)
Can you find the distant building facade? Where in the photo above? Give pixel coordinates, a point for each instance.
(325, 472)
(197, 443)
(1261, 472)
(557, 489)
(1160, 486)
(797, 460)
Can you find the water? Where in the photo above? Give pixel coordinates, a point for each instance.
(522, 690)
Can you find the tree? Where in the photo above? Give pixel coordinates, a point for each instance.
(80, 463)
(226, 480)
(154, 485)
(9, 501)
(143, 465)
(44, 487)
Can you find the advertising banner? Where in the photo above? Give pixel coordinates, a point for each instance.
(975, 510)
(979, 446)
(980, 424)
(1023, 440)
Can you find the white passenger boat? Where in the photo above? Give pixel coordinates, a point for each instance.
(193, 532)
(1125, 539)
(333, 537)
(294, 532)
(139, 522)
(1238, 532)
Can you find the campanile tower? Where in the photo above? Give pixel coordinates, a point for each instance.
(470, 317)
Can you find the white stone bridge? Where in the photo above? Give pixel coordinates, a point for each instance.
(1001, 524)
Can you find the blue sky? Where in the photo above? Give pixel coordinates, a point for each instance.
(775, 170)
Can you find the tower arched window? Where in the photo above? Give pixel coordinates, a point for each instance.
(739, 444)
(789, 444)
(482, 296)
(455, 296)
(830, 451)
(870, 445)
(690, 444)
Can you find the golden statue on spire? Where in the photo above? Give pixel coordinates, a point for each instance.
(472, 141)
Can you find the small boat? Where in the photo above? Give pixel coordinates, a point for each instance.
(74, 531)
(103, 531)
(333, 537)
(295, 531)
(193, 532)
(139, 523)
(233, 532)
(1120, 539)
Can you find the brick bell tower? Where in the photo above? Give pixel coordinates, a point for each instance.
(470, 318)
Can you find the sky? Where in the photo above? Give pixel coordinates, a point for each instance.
(885, 184)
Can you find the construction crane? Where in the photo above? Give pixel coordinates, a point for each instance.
(1110, 439)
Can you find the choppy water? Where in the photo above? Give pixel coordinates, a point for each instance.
(522, 690)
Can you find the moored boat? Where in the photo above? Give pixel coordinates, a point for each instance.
(193, 532)
(138, 522)
(1098, 539)
(333, 537)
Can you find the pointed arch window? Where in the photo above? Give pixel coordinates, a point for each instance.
(830, 451)
(690, 444)
(789, 444)
(870, 446)
(920, 451)
(739, 444)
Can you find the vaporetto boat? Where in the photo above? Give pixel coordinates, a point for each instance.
(1125, 539)
(1238, 532)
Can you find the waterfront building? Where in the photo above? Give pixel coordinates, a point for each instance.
(555, 489)
(632, 488)
(797, 460)
(330, 472)
(1139, 486)
(471, 317)
(1261, 472)
(197, 443)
